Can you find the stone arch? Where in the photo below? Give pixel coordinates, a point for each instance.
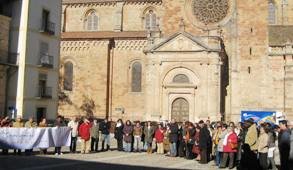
(150, 18)
(135, 75)
(169, 75)
(180, 109)
(65, 60)
(94, 20)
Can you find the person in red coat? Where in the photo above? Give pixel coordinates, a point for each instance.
(84, 133)
(159, 138)
(230, 148)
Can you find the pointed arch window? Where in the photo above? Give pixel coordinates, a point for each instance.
(150, 20)
(68, 76)
(272, 12)
(91, 21)
(136, 73)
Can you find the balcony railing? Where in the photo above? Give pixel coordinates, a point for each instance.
(11, 59)
(47, 27)
(44, 92)
(46, 61)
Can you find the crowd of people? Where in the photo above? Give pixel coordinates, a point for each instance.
(247, 145)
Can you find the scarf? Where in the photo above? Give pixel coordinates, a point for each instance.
(225, 141)
(118, 124)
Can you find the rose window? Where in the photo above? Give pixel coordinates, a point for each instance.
(210, 11)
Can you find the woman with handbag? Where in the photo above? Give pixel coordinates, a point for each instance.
(230, 144)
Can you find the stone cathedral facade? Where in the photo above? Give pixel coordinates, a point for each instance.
(182, 59)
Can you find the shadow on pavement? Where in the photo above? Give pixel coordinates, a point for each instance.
(12, 162)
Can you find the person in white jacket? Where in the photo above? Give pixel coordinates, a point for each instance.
(73, 124)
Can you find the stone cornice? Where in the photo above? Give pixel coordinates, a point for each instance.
(81, 45)
(103, 35)
(106, 2)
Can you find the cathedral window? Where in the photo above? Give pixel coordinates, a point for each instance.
(91, 21)
(150, 20)
(136, 73)
(180, 78)
(272, 13)
(68, 76)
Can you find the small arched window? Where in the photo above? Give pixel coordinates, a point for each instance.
(272, 12)
(68, 76)
(180, 78)
(91, 21)
(150, 20)
(136, 77)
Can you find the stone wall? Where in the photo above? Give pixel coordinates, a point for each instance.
(4, 39)
(254, 78)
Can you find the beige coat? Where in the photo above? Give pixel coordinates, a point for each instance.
(251, 137)
(263, 141)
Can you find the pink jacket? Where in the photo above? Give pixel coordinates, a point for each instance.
(232, 140)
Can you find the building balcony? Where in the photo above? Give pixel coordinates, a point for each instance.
(47, 27)
(10, 60)
(44, 92)
(46, 61)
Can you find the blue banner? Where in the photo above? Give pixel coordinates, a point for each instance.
(265, 116)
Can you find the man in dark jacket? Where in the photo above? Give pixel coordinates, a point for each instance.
(173, 138)
(284, 145)
(105, 130)
(204, 142)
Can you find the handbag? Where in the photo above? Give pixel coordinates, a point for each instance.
(233, 145)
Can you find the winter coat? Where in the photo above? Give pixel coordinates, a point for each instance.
(204, 137)
(232, 139)
(149, 133)
(18, 124)
(119, 132)
(251, 137)
(222, 135)
(95, 131)
(137, 131)
(159, 135)
(190, 135)
(84, 131)
(105, 127)
(272, 139)
(127, 130)
(173, 135)
(291, 146)
(263, 142)
(284, 142)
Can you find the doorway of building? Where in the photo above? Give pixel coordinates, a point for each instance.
(180, 110)
(41, 113)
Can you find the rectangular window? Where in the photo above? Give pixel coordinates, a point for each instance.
(45, 20)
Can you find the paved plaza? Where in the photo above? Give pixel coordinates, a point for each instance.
(102, 160)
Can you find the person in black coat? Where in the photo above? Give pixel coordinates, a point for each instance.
(284, 145)
(105, 130)
(173, 138)
(119, 134)
(204, 142)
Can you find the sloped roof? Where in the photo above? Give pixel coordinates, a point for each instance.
(101, 1)
(279, 35)
(191, 37)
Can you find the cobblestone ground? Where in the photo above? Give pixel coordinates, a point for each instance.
(101, 160)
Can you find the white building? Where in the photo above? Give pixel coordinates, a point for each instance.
(35, 39)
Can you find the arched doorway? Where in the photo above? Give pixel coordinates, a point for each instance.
(180, 110)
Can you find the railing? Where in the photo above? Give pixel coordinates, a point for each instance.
(11, 59)
(44, 92)
(47, 27)
(46, 61)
